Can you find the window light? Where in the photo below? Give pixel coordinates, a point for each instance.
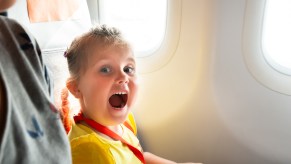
(276, 38)
(142, 22)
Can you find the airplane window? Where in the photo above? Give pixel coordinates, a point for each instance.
(266, 35)
(276, 36)
(143, 22)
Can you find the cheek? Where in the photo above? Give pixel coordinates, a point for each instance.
(134, 87)
(95, 90)
(87, 88)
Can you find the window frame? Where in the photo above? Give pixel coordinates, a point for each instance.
(277, 66)
(253, 54)
(164, 53)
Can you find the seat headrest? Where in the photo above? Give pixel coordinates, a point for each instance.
(53, 35)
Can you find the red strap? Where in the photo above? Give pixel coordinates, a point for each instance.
(128, 126)
(103, 129)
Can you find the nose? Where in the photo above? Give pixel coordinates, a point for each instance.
(122, 78)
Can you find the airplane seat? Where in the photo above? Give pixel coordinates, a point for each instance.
(54, 37)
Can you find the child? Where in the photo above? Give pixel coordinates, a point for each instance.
(103, 77)
(30, 128)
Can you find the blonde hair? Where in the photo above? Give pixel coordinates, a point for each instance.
(99, 38)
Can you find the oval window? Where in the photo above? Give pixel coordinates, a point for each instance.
(142, 22)
(276, 36)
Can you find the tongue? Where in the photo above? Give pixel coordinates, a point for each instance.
(116, 101)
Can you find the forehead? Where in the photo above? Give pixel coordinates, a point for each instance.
(113, 53)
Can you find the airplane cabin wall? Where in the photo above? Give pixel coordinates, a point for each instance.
(204, 105)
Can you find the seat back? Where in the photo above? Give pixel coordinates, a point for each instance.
(54, 37)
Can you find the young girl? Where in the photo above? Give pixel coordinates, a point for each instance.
(103, 77)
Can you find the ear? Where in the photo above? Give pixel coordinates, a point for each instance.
(73, 88)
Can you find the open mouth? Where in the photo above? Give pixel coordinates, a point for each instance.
(118, 100)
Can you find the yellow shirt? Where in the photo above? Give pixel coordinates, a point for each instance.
(89, 147)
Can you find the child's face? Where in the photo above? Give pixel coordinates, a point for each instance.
(109, 86)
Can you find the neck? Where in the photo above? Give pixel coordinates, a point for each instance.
(116, 129)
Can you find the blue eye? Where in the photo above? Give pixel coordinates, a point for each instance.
(129, 70)
(105, 70)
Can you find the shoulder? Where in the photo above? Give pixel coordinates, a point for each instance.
(8, 21)
(90, 149)
(78, 130)
(83, 138)
(130, 123)
(11, 27)
(15, 38)
(91, 141)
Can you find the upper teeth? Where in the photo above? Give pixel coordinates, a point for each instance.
(120, 93)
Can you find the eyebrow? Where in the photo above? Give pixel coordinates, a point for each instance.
(131, 59)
